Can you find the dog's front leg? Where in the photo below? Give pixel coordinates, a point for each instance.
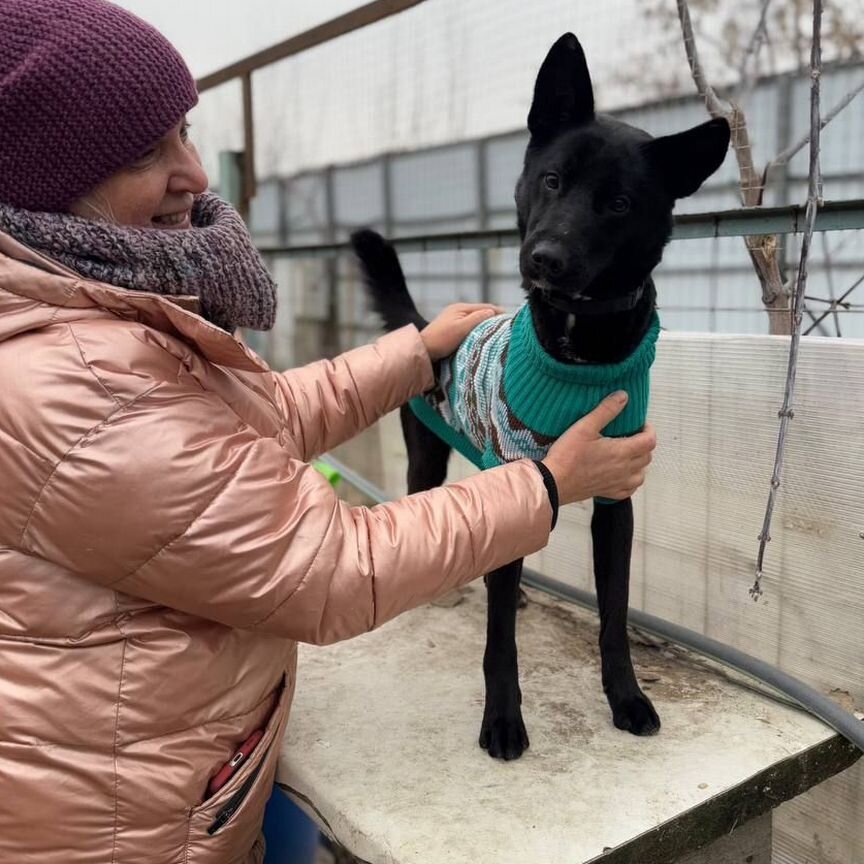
(612, 533)
(503, 732)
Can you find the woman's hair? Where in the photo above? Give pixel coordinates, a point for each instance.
(86, 88)
(99, 208)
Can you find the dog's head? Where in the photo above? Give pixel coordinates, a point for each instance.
(595, 198)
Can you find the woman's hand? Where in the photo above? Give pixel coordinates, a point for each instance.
(585, 464)
(445, 334)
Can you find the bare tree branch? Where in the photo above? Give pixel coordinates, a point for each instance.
(762, 249)
(813, 194)
(712, 102)
(790, 151)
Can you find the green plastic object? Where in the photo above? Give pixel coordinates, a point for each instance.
(332, 475)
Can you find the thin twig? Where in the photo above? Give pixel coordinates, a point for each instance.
(839, 302)
(812, 317)
(754, 46)
(813, 192)
(801, 143)
(832, 301)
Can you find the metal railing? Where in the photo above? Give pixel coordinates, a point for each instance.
(243, 69)
(740, 222)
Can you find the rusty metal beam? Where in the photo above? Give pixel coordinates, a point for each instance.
(377, 10)
(249, 182)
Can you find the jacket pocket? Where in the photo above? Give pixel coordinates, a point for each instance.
(229, 822)
(236, 800)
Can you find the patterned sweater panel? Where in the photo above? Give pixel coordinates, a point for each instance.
(500, 397)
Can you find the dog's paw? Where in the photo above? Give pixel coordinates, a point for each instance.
(504, 736)
(636, 714)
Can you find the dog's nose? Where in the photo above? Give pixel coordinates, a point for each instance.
(549, 258)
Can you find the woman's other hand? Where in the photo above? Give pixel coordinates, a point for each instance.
(585, 464)
(445, 334)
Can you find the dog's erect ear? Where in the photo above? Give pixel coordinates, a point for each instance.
(563, 96)
(688, 159)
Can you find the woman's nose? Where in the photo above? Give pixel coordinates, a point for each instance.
(188, 174)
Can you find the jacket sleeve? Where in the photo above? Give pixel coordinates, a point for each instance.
(329, 401)
(175, 500)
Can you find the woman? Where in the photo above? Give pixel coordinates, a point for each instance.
(163, 542)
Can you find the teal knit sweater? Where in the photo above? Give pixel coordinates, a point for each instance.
(501, 397)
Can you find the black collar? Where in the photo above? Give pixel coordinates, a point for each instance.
(624, 303)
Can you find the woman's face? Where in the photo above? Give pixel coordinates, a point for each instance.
(157, 191)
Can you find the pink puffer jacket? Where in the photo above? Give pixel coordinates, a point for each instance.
(164, 545)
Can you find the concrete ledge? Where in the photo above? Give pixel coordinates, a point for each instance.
(382, 749)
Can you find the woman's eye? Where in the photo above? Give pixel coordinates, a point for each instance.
(144, 160)
(551, 180)
(184, 131)
(620, 204)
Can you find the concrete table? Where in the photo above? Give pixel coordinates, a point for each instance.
(382, 752)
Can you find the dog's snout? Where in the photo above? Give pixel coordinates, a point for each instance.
(548, 257)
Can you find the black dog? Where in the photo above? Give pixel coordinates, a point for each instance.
(594, 206)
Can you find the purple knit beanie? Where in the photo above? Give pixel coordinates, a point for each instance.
(86, 88)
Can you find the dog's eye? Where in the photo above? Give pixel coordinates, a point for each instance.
(620, 204)
(551, 180)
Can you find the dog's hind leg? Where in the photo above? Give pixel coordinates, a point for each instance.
(503, 732)
(612, 533)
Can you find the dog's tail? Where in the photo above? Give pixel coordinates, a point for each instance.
(385, 281)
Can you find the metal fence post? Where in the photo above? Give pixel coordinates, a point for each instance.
(482, 216)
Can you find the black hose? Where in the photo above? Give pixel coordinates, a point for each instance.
(809, 699)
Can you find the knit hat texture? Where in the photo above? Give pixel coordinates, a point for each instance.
(86, 88)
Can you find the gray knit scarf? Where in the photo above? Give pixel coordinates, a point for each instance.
(214, 260)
